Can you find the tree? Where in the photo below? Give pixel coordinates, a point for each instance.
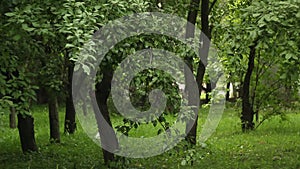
(204, 43)
(247, 109)
(190, 31)
(53, 29)
(16, 87)
(255, 31)
(108, 11)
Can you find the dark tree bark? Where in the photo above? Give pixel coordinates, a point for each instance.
(41, 95)
(210, 86)
(25, 121)
(200, 76)
(208, 90)
(107, 134)
(204, 40)
(204, 37)
(190, 33)
(247, 109)
(235, 91)
(227, 91)
(26, 132)
(12, 118)
(70, 123)
(53, 119)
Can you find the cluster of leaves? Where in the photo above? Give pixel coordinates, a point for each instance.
(160, 121)
(17, 89)
(150, 79)
(55, 27)
(57, 30)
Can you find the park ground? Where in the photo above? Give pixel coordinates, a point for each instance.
(275, 144)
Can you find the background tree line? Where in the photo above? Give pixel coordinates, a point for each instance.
(257, 41)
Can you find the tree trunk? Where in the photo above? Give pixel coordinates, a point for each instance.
(12, 118)
(204, 38)
(70, 124)
(235, 91)
(199, 79)
(190, 33)
(240, 89)
(41, 95)
(207, 92)
(228, 91)
(107, 134)
(247, 110)
(26, 132)
(53, 119)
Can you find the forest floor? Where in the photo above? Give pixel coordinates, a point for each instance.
(275, 144)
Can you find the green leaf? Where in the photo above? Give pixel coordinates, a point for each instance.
(274, 18)
(288, 56)
(69, 45)
(35, 24)
(10, 14)
(17, 37)
(256, 15)
(86, 69)
(147, 44)
(159, 131)
(261, 23)
(26, 28)
(76, 67)
(183, 162)
(283, 76)
(2, 91)
(298, 15)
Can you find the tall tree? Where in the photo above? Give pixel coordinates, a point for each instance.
(205, 38)
(26, 132)
(247, 109)
(109, 11)
(16, 87)
(53, 117)
(190, 33)
(70, 123)
(108, 137)
(257, 40)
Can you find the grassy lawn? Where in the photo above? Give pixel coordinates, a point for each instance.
(275, 144)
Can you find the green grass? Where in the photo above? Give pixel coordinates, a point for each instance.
(275, 144)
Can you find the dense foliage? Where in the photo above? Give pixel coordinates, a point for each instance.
(257, 41)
